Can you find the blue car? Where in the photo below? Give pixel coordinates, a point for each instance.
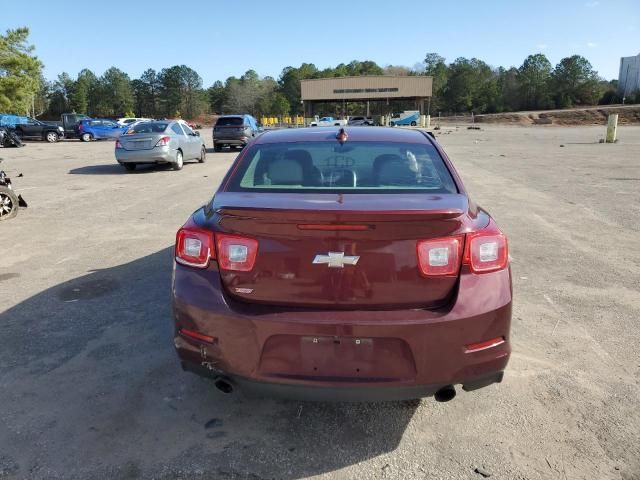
(95, 129)
(406, 118)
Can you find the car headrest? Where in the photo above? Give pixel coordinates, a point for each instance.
(295, 167)
(285, 171)
(391, 169)
(301, 156)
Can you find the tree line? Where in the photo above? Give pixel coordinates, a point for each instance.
(463, 85)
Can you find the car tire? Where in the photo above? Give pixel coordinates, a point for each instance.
(392, 124)
(217, 148)
(179, 163)
(51, 137)
(413, 124)
(203, 155)
(129, 167)
(8, 203)
(86, 137)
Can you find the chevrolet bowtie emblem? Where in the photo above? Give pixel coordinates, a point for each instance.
(336, 259)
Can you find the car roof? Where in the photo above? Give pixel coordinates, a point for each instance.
(355, 134)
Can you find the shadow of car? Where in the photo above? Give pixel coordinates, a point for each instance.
(88, 366)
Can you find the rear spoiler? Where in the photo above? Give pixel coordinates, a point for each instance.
(303, 215)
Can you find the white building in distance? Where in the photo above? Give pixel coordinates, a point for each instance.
(629, 77)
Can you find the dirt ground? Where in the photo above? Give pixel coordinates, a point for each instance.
(627, 115)
(90, 386)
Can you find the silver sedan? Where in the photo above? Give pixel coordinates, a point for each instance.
(165, 141)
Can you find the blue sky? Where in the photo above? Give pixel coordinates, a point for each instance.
(219, 39)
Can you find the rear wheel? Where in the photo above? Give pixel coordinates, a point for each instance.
(8, 203)
(179, 163)
(129, 167)
(217, 148)
(413, 124)
(86, 137)
(203, 155)
(51, 137)
(392, 124)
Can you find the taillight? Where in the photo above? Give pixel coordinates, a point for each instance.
(236, 253)
(486, 250)
(194, 246)
(118, 144)
(201, 337)
(440, 256)
(80, 127)
(163, 142)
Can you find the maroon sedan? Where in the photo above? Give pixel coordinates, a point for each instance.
(343, 264)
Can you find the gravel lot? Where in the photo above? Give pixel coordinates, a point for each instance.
(90, 386)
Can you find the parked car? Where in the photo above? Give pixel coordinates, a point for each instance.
(97, 129)
(343, 264)
(129, 120)
(234, 131)
(161, 142)
(409, 117)
(360, 121)
(190, 124)
(69, 122)
(30, 128)
(327, 122)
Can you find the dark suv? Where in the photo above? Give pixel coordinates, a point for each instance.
(234, 131)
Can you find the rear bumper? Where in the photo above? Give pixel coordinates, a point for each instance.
(412, 354)
(154, 155)
(231, 141)
(333, 393)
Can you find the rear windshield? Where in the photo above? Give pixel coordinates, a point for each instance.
(357, 167)
(229, 121)
(149, 127)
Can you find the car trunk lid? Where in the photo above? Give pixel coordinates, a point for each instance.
(339, 250)
(140, 141)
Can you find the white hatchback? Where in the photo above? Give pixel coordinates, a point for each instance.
(129, 120)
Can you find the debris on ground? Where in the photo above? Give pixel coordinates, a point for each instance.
(482, 472)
